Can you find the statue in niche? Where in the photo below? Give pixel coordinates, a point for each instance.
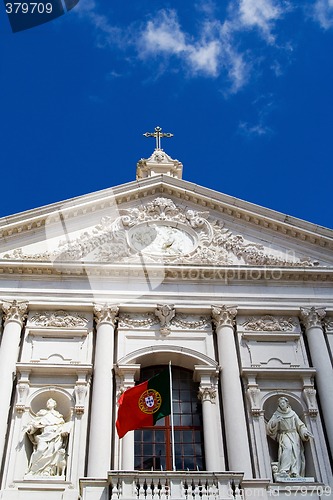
(48, 433)
(289, 431)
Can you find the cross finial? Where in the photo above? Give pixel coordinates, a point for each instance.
(158, 134)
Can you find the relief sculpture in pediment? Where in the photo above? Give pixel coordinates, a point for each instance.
(162, 232)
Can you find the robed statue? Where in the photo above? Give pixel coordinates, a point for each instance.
(48, 433)
(289, 431)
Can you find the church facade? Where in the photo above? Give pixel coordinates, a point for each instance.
(107, 290)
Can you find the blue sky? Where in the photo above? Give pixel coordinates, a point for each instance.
(245, 86)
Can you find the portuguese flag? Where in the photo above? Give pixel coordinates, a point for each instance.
(144, 404)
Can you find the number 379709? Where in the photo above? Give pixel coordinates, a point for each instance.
(28, 8)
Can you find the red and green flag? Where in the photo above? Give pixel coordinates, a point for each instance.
(144, 404)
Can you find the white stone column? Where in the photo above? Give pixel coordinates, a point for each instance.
(312, 320)
(127, 375)
(238, 450)
(14, 316)
(207, 394)
(101, 423)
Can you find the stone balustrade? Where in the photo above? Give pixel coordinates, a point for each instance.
(164, 485)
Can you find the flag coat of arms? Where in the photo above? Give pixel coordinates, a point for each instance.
(144, 404)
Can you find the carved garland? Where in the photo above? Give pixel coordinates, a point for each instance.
(60, 319)
(269, 323)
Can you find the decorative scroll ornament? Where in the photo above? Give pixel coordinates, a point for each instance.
(224, 315)
(80, 391)
(165, 314)
(270, 324)
(162, 232)
(253, 394)
(59, 319)
(15, 311)
(106, 314)
(312, 316)
(309, 394)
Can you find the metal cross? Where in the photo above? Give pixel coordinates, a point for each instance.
(158, 134)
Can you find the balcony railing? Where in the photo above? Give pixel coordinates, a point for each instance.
(164, 485)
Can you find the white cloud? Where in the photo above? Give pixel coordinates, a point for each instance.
(210, 54)
(323, 13)
(163, 35)
(206, 58)
(260, 14)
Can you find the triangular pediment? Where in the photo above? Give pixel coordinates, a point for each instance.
(163, 220)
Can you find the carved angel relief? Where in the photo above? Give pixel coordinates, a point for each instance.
(269, 323)
(160, 231)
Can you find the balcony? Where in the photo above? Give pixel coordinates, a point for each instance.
(164, 485)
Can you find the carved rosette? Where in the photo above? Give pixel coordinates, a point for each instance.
(15, 311)
(165, 313)
(224, 315)
(106, 314)
(312, 316)
(207, 394)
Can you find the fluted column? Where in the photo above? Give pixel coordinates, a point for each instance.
(207, 377)
(99, 456)
(14, 316)
(312, 321)
(233, 405)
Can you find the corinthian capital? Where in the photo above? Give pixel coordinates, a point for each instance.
(106, 314)
(224, 315)
(15, 311)
(207, 394)
(312, 316)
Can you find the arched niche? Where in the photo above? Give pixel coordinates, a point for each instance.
(65, 402)
(270, 404)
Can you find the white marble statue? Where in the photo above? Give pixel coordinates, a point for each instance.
(48, 433)
(289, 431)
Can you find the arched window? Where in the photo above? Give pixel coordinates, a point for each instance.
(153, 448)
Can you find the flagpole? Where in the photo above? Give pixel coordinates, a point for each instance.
(172, 426)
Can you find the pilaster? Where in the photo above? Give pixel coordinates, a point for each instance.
(207, 376)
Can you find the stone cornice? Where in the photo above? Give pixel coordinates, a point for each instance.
(279, 373)
(47, 368)
(225, 274)
(203, 197)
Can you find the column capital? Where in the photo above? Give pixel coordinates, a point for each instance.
(207, 394)
(224, 315)
(15, 311)
(312, 316)
(106, 314)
